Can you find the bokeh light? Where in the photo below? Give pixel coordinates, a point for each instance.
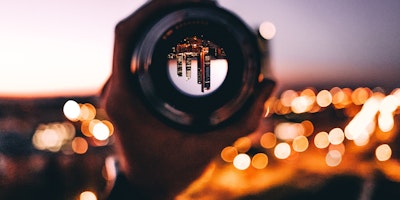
(300, 143)
(282, 150)
(321, 140)
(229, 153)
(336, 136)
(242, 144)
(72, 110)
(324, 98)
(242, 161)
(259, 161)
(383, 152)
(268, 140)
(87, 195)
(79, 145)
(267, 30)
(333, 158)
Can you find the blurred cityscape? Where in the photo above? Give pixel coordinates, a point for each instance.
(337, 143)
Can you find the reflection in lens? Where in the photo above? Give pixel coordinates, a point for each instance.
(197, 66)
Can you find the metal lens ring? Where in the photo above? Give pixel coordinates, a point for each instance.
(197, 66)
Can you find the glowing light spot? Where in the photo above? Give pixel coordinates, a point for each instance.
(268, 140)
(79, 145)
(336, 136)
(301, 104)
(242, 161)
(87, 112)
(300, 144)
(333, 158)
(259, 161)
(383, 152)
(242, 144)
(308, 127)
(321, 140)
(282, 150)
(324, 98)
(288, 131)
(267, 30)
(340, 147)
(72, 110)
(389, 104)
(287, 97)
(385, 122)
(361, 95)
(101, 131)
(87, 195)
(229, 153)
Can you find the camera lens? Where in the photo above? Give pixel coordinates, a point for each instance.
(196, 66)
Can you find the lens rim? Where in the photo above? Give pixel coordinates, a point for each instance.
(210, 110)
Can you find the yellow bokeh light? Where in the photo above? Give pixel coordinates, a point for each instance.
(300, 144)
(242, 144)
(242, 161)
(287, 97)
(288, 131)
(333, 158)
(321, 140)
(267, 30)
(259, 161)
(229, 153)
(101, 131)
(87, 112)
(308, 127)
(72, 110)
(389, 104)
(383, 152)
(385, 122)
(87, 195)
(282, 150)
(340, 147)
(361, 95)
(268, 140)
(301, 104)
(324, 98)
(336, 136)
(79, 145)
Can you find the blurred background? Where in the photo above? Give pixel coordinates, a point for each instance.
(334, 115)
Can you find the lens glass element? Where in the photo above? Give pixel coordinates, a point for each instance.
(197, 66)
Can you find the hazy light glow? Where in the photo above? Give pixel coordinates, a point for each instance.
(333, 158)
(242, 144)
(288, 131)
(229, 153)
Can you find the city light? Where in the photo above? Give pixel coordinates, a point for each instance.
(242, 161)
(267, 30)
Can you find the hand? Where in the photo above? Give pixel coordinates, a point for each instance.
(159, 160)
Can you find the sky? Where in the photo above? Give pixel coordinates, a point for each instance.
(63, 48)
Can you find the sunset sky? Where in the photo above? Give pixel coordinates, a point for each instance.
(57, 48)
